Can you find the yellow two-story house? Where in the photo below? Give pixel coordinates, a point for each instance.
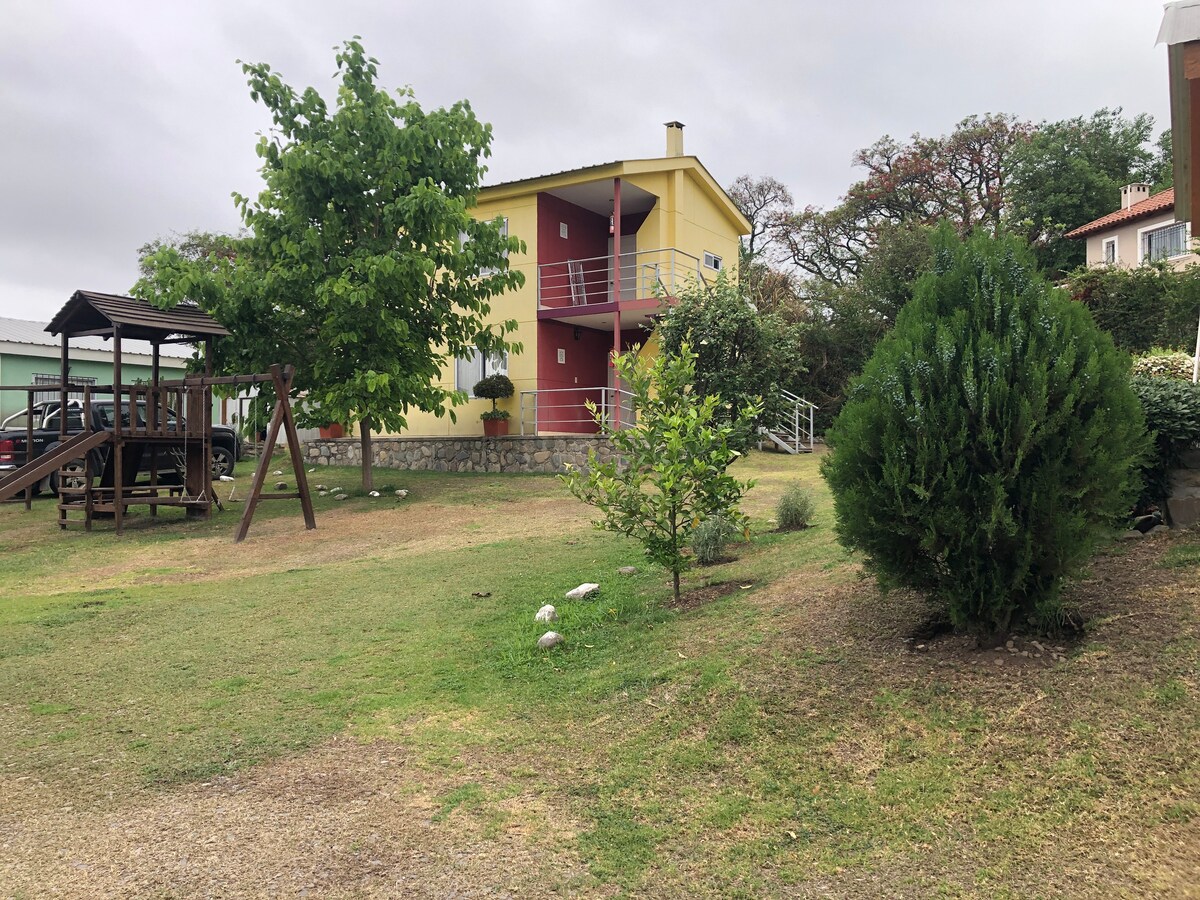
(607, 248)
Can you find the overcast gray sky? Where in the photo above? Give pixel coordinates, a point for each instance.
(123, 121)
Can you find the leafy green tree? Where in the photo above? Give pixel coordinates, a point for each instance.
(362, 264)
(1071, 172)
(991, 436)
(1162, 169)
(191, 246)
(669, 474)
(742, 356)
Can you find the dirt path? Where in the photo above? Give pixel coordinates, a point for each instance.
(348, 819)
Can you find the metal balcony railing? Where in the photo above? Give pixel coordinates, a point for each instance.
(644, 274)
(565, 410)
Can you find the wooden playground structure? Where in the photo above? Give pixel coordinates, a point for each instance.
(148, 422)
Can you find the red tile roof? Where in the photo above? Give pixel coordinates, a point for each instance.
(1160, 202)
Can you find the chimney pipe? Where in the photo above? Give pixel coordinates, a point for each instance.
(674, 138)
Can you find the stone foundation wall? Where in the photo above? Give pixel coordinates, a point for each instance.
(514, 453)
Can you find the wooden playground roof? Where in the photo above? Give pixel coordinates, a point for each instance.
(93, 313)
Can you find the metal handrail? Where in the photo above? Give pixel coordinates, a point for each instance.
(643, 273)
(795, 428)
(539, 412)
(795, 398)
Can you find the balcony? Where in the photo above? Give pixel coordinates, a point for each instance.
(583, 291)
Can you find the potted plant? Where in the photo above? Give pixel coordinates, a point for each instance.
(494, 387)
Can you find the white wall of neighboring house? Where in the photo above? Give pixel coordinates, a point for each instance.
(1130, 243)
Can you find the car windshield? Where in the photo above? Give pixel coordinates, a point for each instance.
(105, 412)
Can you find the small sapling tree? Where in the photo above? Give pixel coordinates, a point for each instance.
(990, 439)
(669, 473)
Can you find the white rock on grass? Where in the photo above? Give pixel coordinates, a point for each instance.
(322, 493)
(374, 494)
(225, 478)
(281, 485)
(341, 497)
(277, 472)
(584, 590)
(546, 614)
(627, 570)
(320, 487)
(549, 639)
(402, 493)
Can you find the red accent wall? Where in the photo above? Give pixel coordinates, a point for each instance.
(587, 237)
(586, 366)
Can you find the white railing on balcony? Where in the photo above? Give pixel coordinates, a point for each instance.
(644, 274)
(565, 410)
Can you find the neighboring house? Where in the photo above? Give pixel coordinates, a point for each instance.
(662, 224)
(1142, 230)
(30, 355)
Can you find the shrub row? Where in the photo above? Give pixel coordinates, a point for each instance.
(1172, 410)
(1164, 364)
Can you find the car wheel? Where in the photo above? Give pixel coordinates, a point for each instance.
(222, 462)
(75, 470)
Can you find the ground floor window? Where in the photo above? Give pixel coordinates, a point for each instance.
(468, 371)
(41, 378)
(1165, 242)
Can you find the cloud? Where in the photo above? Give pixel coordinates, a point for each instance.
(126, 121)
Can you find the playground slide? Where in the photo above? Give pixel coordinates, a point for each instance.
(74, 448)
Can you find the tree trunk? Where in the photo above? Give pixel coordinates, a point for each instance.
(675, 583)
(364, 431)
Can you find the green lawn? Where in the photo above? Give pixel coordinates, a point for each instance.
(783, 738)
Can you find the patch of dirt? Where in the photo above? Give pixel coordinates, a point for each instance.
(779, 529)
(348, 819)
(698, 597)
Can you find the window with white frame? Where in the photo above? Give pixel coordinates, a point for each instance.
(470, 370)
(712, 261)
(1110, 251)
(1165, 242)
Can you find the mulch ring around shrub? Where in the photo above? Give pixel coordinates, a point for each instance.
(700, 596)
(788, 529)
(1121, 585)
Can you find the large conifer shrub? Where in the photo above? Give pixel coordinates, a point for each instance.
(989, 440)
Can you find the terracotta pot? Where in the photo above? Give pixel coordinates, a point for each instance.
(495, 427)
(332, 430)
